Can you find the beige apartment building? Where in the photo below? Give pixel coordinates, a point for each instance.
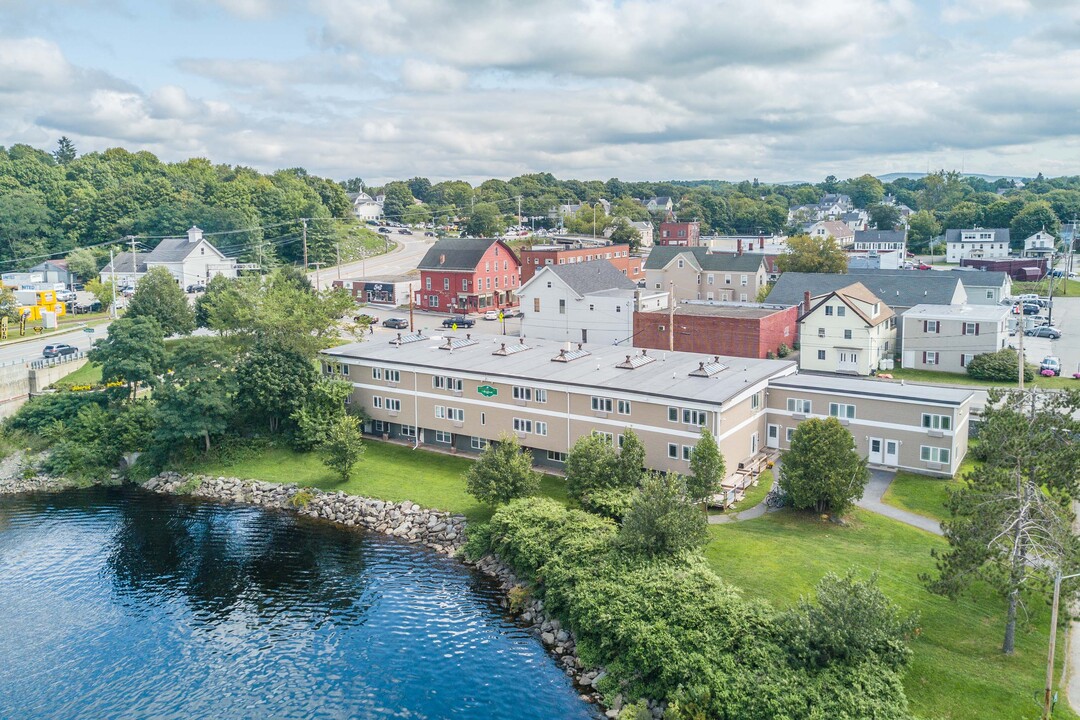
(947, 337)
(695, 273)
(849, 330)
(460, 393)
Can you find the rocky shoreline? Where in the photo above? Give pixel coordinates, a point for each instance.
(437, 530)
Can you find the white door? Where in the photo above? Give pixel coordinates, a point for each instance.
(877, 446)
(849, 362)
(772, 436)
(753, 444)
(892, 453)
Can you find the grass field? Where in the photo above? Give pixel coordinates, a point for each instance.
(944, 378)
(388, 471)
(957, 670)
(923, 494)
(88, 374)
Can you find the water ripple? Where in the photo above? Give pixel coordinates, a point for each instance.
(119, 604)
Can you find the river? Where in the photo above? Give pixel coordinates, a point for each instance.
(115, 603)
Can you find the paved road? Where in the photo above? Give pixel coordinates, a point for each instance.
(399, 261)
(31, 349)
(871, 500)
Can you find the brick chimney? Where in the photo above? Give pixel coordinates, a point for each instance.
(761, 243)
(739, 246)
(806, 301)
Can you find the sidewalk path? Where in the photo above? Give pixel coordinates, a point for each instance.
(871, 500)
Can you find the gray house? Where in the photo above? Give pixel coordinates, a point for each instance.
(946, 337)
(985, 287)
(899, 289)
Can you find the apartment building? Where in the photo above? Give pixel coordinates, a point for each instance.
(946, 337)
(460, 393)
(537, 256)
(849, 330)
(976, 244)
(694, 273)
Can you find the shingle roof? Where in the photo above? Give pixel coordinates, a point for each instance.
(593, 276)
(982, 278)
(458, 253)
(835, 228)
(1000, 234)
(897, 236)
(896, 288)
(848, 295)
(660, 256)
(122, 263)
(171, 250)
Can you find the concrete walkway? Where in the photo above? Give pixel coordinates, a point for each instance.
(755, 512)
(871, 500)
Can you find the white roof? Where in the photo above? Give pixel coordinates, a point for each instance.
(980, 313)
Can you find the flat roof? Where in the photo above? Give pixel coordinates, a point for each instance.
(732, 310)
(888, 389)
(668, 376)
(990, 313)
(381, 278)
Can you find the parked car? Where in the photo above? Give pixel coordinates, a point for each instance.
(1050, 363)
(89, 306)
(1046, 331)
(366, 319)
(58, 350)
(429, 234)
(924, 266)
(65, 295)
(1031, 309)
(396, 323)
(459, 320)
(196, 287)
(384, 230)
(405, 231)
(513, 313)
(491, 315)
(127, 291)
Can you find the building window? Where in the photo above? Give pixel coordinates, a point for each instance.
(483, 418)
(446, 284)
(523, 425)
(427, 283)
(821, 332)
(393, 376)
(465, 286)
(687, 452)
(556, 456)
(536, 305)
(393, 405)
(455, 414)
(440, 412)
(433, 301)
(989, 294)
(711, 278)
(442, 436)
(624, 407)
(842, 410)
(408, 431)
(841, 311)
(681, 264)
(379, 426)
(931, 326)
(934, 454)
(673, 414)
(755, 401)
(376, 402)
(965, 358)
(693, 417)
(828, 310)
(376, 373)
(798, 405)
(742, 280)
(541, 428)
(930, 357)
(442, 382)
(820, 354)
(971, 328)
(788, 434)
(478, 443)
(540, 395)
(601, 404)
(521, 393)
(344, 369)
(847, 334)
(562, 306)
(937, 422)
(673, 451)
(608, 437)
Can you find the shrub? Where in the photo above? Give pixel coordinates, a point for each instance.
(662, 520)
(1001, 365)
(783, 351)
(502, 473)
(611, 503)
(302, 498)
(42, 411)
(822, 470)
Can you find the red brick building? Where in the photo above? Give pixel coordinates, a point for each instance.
(686, 234)
(466, 275)
(742, 330)
(535, 257)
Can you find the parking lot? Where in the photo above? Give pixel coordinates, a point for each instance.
(1066, 317)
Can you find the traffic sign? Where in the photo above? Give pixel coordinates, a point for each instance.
(487, 391)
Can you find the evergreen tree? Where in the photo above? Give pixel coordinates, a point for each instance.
(706, 468)
(502, 473)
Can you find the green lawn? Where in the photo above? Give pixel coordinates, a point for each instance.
(753, 496)
(957, 670)
(88, 374)
(388, 471)
(923, 494)
(1066, 288)
(945, 378)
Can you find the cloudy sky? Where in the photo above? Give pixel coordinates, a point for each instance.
(635, 89)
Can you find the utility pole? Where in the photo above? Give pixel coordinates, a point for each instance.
(412, 304)
(671, 318)
(519, 210)
(337, 253)
(1020, 352)
(304, 221)
(1048, 697)
(317, 265)
(112, 264)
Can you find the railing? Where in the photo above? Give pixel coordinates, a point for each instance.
(58, 360)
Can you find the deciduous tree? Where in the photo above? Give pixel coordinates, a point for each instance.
(344, 446)
(502, 473)
(813, 255)
(662, 520)
(132, 353)
(158, 296)
(706, 468)
(822, 471)
(272, 379)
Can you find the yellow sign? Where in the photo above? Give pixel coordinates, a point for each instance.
(3, 327)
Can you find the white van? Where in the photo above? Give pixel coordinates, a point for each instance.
(1028, 298)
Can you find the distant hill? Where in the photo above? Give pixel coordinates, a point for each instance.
(916, 175)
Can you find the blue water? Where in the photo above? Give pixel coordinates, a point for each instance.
(115, 603)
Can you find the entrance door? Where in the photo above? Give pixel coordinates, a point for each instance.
(753, 444)
(772, 436)
(877, 456)
(892, 453)
(849, 362)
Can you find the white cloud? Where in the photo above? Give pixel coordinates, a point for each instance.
(423, 76)
(32, 62)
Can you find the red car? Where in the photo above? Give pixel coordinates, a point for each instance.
(924, 266)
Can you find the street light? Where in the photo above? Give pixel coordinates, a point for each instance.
(1047, 704)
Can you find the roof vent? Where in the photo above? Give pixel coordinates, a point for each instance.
(708, 369)
(565, 356)
(505, 349)
(635, 361)
(453, 343)
(406, 339)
